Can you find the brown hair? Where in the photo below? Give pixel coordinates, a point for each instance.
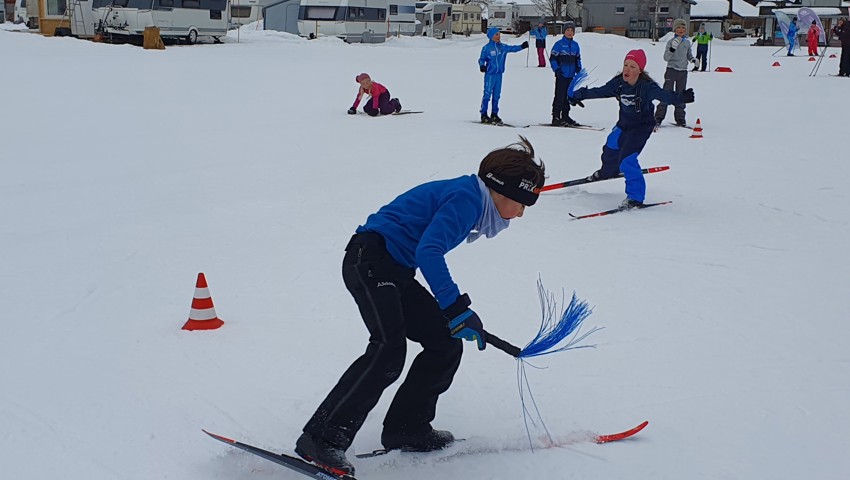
(514, 160)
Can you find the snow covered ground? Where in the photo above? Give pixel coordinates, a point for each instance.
(125, 172)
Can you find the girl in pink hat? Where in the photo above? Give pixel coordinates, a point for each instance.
(635, 90)
(380, 103)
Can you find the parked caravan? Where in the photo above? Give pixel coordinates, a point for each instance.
(402, 16)
(466, 18)
(501, 16)
(243, 12)
(185, 20)
(355, 21)
(282, 16)
(27, 12)
(436, 20)
(83, 17)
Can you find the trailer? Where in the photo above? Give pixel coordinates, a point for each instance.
(181, 20)
(435, 19)
(466, 18)
(354, 21)
(402, 17)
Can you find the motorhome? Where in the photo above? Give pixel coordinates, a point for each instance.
(402, 16)
(182, 20)
(355, 21)
(466, 18)
(502, 16)
(435, 19)
(243, 12)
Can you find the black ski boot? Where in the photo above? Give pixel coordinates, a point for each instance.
(324, 454)
(485, 118)
(629, 203)
(421, 442)
(495, 118)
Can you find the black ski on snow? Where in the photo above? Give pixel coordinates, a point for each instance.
(292, 463)
(619, 209)
(502, 124)
(682, 126)
(582, 181)
(407, 112)
(577, 127)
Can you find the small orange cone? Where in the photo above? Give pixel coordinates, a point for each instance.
(833, 56)
(811, 59)
(202, 315)
(697, 130)
(723, 69)
(776, 64)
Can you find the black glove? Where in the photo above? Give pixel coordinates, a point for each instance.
(688, 96)
(464, 323)
(352, 111)
(483, 68)
(576, 103)
(524, 45)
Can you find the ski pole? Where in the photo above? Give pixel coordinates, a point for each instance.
(708, 60)
(528, 50)
(502, 345)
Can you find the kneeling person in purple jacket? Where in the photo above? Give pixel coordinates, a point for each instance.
(416, 230)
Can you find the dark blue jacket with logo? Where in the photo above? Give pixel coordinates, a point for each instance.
(635, 101)
(565, 58)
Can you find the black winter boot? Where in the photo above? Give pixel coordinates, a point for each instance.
(485, 118)
(323, 454)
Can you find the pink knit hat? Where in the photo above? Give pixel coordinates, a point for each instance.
(639, 56)
(361, 77)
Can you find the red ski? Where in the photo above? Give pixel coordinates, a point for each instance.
(622, 435)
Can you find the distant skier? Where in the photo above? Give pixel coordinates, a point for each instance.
(539, 34)
(812, 37)
(417, 230)
(635, 90)
(380, 103)
(792, 37)
(842, 31)
(677, 54)
(491, 62)
(702, 39)
(565, 60)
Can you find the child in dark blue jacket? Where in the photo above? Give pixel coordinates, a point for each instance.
(491, 62)
(635, 90)
(416, 230)
(566, 63)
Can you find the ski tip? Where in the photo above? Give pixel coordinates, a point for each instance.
(622, 435)
(218, 437)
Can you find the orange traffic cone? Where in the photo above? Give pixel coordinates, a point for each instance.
(811, 59)
(776, 64)
(202, 315)
(697, 130)
(833, 56)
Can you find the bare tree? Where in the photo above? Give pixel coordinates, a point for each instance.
(550, 8)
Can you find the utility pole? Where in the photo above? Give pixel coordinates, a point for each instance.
(655, 23)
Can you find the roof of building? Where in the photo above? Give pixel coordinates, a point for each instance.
(744, 9)
(710, 9)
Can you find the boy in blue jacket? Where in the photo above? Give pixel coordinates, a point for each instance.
(635, 90)
(566, 63)
(416, 230)
(491, 62)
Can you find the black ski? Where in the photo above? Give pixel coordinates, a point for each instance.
(682, 126)
(500, 124)
(292, 463)
(619, 209)
(384, 451)
(408, 112)
(577, 127)
(582, 181)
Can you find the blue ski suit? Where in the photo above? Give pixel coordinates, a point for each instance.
(635, 125)
(792, 37)
(492, 58)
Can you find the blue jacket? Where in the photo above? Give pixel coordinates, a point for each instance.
(539, 33)
(565, 58)
(423, 224)
(792, 32)
(635, 101)
(493, 54)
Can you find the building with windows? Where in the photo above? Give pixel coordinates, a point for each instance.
(634, 18)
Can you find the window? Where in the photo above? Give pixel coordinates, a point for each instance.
(660, 9)
(317, 13)
(191, 4)
(620, 10)
(498, 14)
(239, 12)
(55, 7)
(465, 16)
(393, 9)
(164, 3)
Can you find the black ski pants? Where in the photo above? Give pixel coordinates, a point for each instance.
(561, 103)
(674, 81)
(395, 307)
(844, 65)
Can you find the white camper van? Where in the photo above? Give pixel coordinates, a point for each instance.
(466, 18)
(402, 16)
(355, 21)
(501, 16)
(185, 20)
(26, 12)
(436, 19)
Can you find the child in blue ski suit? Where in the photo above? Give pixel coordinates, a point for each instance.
(491, 62)
(539, 34)
(635, 90)
(566, 63)
(416, 231)
(792, 37)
